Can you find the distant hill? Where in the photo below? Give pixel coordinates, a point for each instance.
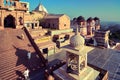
(112, 26)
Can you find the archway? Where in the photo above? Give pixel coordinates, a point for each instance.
(9, 21)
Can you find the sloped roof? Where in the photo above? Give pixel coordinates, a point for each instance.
(49, 16)
(40, 7)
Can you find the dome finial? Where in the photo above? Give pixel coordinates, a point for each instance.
(77, 41)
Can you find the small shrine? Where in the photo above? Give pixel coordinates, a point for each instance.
(76, 67)
(76, 58)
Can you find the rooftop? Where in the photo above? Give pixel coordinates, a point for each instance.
(49, 16)
(107, 59)
(13, 54)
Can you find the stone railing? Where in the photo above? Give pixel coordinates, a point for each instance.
(35, 47)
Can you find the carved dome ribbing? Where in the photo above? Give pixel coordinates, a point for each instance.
(77, 41)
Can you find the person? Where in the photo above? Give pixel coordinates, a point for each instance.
(26, 74)
(29, 55)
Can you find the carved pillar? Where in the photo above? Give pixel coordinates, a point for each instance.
(23, 18)
(34, 25)
(16, 20)
(86, 60)
(6, 2)
(11, 2)
(79, 65)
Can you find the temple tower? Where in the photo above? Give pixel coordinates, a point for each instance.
(90, 26)
(97, 23)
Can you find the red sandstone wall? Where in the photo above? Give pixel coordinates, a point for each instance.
(15, 14)
(64, 22)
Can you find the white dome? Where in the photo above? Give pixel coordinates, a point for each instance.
(40, 7)
(77, 41)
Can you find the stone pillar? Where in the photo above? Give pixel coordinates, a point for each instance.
(67, 59)
(37, 24)
(2, 20)
(7, 2)
(79, 65)
(95, 43)
(86, 60)
(34, 26)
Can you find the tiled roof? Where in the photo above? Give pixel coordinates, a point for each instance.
(13, 54)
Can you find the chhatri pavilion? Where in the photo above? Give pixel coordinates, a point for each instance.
(76, 67)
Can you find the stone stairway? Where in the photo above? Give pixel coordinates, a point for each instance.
(13, 54)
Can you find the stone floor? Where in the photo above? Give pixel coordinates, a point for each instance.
(13, 54)
(107, 59)
(104, 58)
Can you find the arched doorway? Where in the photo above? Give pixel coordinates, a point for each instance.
(9, 21)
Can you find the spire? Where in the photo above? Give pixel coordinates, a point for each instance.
(40, 7)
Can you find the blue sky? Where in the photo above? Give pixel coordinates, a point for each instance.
(106, 10)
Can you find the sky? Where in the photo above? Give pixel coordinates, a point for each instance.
(106, 10)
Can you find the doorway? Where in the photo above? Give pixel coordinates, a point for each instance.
(9, 22)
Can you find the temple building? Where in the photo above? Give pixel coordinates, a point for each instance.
(41, 8)
(46, 46)
(92, 25)
(58, 26)
(15, 14)
(12, 15)
(56, 21)
(76, 67)
(101, 38)
(86, 27)
(97, 23)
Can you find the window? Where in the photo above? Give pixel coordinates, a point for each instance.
(67, 37)
(25, 5)
(45, 50)
(64, 24)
